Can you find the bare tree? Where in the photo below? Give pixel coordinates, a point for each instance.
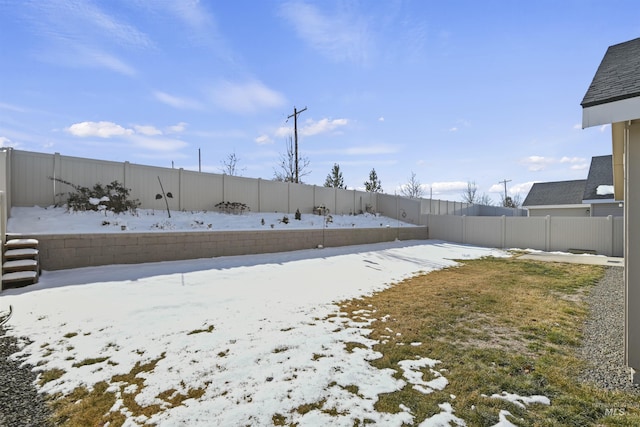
(286, 170)
(334, 179)
(470, 195)
(484, 200)
(230, 165)
(412, 189)
(374, 185)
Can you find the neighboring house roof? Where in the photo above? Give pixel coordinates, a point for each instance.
(600, 176)
(617, 76)
(556, 193)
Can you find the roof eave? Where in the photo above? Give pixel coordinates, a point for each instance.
(571, 206)
(611, 112)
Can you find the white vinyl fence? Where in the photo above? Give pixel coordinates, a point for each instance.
(31, 180)
(26, 178)
(603, 235)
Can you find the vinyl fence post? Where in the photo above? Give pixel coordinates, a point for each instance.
(503, 240)
(464, 228)
(57, 171)
(547, 233)
(125, 173)
(611, 235)
(181, 185)
(259, 193)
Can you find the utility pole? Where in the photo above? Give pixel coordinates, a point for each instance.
(295, 135)
(505, 187)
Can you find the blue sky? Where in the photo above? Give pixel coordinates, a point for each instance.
(453, 91)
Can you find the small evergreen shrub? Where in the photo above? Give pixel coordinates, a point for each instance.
(112, 197)
(298, 215)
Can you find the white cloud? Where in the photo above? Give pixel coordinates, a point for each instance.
(263, 139)
(448, 187)
(283, 132)
(147, 130)
(340, 37)
(75, 55)
(323, 126)
(577, 163)
(177, 128)
(579, 167)
(157, 144)
(572, 160)
(177, 102)
(111, 62)
(147, 137)
(5, 142)
(191, 13)
(537, 163)
(247, 97)
(578, 126)
(460, 124)
(604, 127)
(381, 119)
(497, 188)
(522, 188)
(100, 129)
(92, 17)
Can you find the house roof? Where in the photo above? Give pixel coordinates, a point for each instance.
(614, 93)
(600, 173)
(556, 193)
(617, 76)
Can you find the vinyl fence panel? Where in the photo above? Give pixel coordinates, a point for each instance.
(526, 233)
(274, 196)
(200, 191)
(581, 233)
(446, 227)
(484, 231)
(30, 183)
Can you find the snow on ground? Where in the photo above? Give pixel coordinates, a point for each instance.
(51, 220)
(260, 335)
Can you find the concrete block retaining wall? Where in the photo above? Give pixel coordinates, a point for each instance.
(62, 251)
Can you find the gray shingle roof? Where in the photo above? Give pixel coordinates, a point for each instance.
(617, 75)
(600, 173)
(556, 193)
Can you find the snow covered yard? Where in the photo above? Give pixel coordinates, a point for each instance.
(254, 337)
(230, 341)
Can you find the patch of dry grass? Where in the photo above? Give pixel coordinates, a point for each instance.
(91, 407)
(497, 325)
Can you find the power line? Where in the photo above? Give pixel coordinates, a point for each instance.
(295, 133)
